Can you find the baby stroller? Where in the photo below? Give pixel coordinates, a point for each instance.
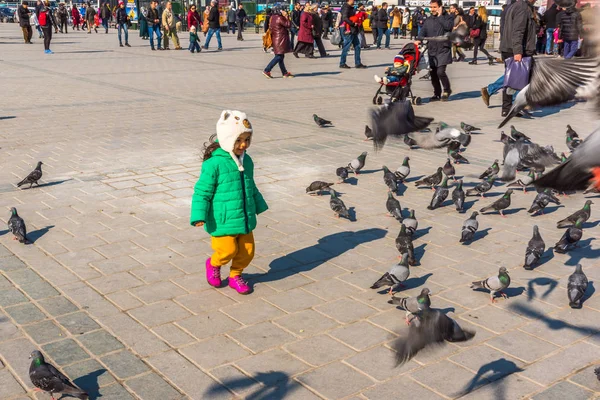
(401, 90)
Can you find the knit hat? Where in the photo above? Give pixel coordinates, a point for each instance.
(229, 127)
(398, 59)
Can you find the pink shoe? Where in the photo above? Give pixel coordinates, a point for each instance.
(213, 274)
(238, 283)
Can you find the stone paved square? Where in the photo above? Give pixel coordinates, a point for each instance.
(113, 290)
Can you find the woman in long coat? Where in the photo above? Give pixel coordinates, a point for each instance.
(143, 23)
(317, 30)
(305, 36)
(76, 17)
(279, 26)
(396, 21)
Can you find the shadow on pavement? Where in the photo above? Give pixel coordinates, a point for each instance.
(541, 281)
(35, 235)
(89, 383)
(493, 371)
(553, 323)
(277, 385)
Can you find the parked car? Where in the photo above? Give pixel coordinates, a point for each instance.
(7, 15)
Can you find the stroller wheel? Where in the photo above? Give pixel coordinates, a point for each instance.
(418, 101)
(379, 100)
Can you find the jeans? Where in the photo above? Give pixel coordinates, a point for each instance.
(194, 46)
(240, 26)
(350, 39)
(39, 29)
(438, 74)
(293, 34)
(105, 23)
(154, 29)
(231, 27)
(123, 27)
(419, 31)
(380, 33)
(63, 22)
(549, 39)
(496, 86)
(217, 33)
(278, 59)
(570, 48)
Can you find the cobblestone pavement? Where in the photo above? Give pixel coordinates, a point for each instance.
(113, 291)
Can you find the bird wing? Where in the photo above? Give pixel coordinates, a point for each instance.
(511, 160)
(427, 332)
(396, 119)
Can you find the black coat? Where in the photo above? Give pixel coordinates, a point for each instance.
(550, 17)
(382, 19)
(347, 12)
(23, 16)
(121, 15)
(152, 15)
(520, 30)
(482, 26)
(213, 18)
(570, 24)
(440, 52)
(317, 24)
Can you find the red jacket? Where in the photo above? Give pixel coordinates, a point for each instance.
(280, 34)
(75, 14)
(193, 19)
(305, 34)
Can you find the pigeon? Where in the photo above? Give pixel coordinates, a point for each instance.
(404, 244)
(576, 287)
(501, 204)
(17, 226)
(403, 171)
(521, 155)
(389, 178)
(449, 170)
(393, 206)
(410, 142)
(573, 143)
(535, 249)
(411, 223)
(591, 189)
(583, 214)
(515, 134)
(495, 284)
(320, 121)
(317, 187)
(458, 196)
(570, 238)
(571, 132)
(457, 157)
(33, 177)
(563, 158)
(482, 187)
(453, 146)
(413, 305)
(358, 163)
(397, 274)
(342, 173)
(46, 377)
(523, 182)
(441, 138)
(504, 138)
(338, 206)
(541, 201)
(431, 180)
(469, 228)
(432, 327)
(368, 133)
(468, 129)
(492, 170)
(397, 119)
(440, 194)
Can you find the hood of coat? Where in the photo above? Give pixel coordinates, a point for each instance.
(229, 127)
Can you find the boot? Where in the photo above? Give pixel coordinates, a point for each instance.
(491, 60)
(474, 62)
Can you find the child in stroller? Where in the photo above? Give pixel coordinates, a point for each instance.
(398, 79)
(393, 74)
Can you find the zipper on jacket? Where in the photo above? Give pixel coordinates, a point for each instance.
(244, 195)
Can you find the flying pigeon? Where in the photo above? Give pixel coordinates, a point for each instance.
(515, 134)
(33, 177)
(405, 246)
(403, 171)
(317, 187)
(397, 119)
(440, 194)
(535, 249)
(17, 226)
(453, 146)
(441, 138)
(469, 228)
(338, 206)
(468, 129)
(413, 305)
(576, 287)
(449, 170)
(541, 201)
(368, 133)
(457, 157)
(397, 274)
(522, 154)
(431, 180)
(492, 170)
(504, 138)
(389, 178)
(46, 377)
(495, 284)
(320, 121)
(501, 204)
(358, 163)
(583, 214)
(393, 206)
(458, 196)
(523, 182)
(482, 187)
(342, 173)
(570, 238)
(411, 223)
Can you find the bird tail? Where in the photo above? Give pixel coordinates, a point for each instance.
(574, 304)
(488, 208)
(478, 285)
(384, 280)
(557, 179)
(21, 183)
(534, 208)
(461, 335)
(560, 247)
(514, 184)
(466, 236)
(75, 392)
(519, 105)
(398, 301)
(397, 214)
(472, 192)
(564, 223)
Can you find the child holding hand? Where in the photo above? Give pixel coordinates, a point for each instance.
(194, 41)
(226, 200)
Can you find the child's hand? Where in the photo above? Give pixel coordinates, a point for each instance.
(201, 223)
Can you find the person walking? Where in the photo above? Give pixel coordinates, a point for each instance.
(405, 21)
(317, 31)
(205, 19)
(33, 20)
(440, 54)
(362, 39)
(306, 39)
(350, 39)
(414, 31)
(373, 23)
(480, 37)
(280, 35)
(295, 22)
(193, 18)
(123, 23)
(214, 25)
(571, 29)
(551, 23)
(47, 21)
(90, 13)
(23, 12)
(327, 20)
(231, 18)
(396, 16)
(240, 19)
(154, 25)
(458, 21)
(63, 17)
(106, 15)
(382, 26)
(144, 23)
(168, 23)
(421, 18)
(194, 41)
(76, 17)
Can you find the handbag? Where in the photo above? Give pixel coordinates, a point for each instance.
(516, 74)
(267, 40)
(474, 33)
(336, 38)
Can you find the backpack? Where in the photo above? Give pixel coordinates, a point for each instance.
(43, 19)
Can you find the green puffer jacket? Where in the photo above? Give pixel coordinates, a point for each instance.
(226, 199)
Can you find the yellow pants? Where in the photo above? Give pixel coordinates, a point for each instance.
(238, 249)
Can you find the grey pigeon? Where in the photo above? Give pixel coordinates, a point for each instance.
(583, 214)
(393, 206)
(403, 171)
(499, 205)
(457, 157)
(317, 187)
(458, 197)
(411, 223)
(410, 142)
(431, 180)
(523, 182)
(440, 195)
(320, 121)
(33, 177)
(576, 287)
(338, 206)
(413, 305)
(542, 199)
(441, 138)
(570, 238)
(491, 171)
(535, 249)
(397, 274)
(449, 170)
(47, 378)
(453, 146)
(368, 133)
(597, 372)
(518, 135)
(404, 245)
(389, 178)
(573, 143)
(495, 284)
(358, 163)
(482, 187)
(522, 154)
(17, 226)
(342, 173)
(469, 228)
(468, 128)
(433, 327)
(571, 132)
(397, 120)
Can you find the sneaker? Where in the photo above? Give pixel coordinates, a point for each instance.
(385, 80)
(121, 45)
(295, 54)
(344, 66)
(434, 98)
(446, 96)
(377, 79)
(213, 274)
(220, 49)
(47, 51)
(153, 49)
(267, 74)
(288, 75)
(361, 66)
(239, 284)
(127, 44)
(485, 96)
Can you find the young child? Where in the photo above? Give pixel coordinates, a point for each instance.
(393, 74)
(226, 200)
(357, 18)
(194, 45)
(557, 43)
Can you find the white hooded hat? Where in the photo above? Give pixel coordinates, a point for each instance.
(229, 127)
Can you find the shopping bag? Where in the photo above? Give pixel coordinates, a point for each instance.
(336, 38)
(516, 74)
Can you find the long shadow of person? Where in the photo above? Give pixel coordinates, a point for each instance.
(89, 383)
(541, 281)
(277, 385)
(493, 371)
